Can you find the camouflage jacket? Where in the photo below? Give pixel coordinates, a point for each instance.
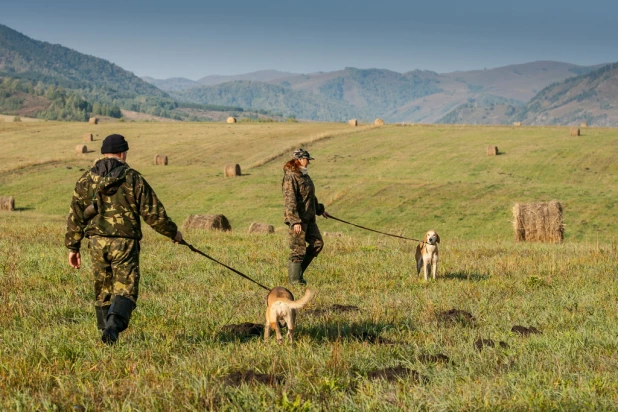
(120, 196)
(301, 205)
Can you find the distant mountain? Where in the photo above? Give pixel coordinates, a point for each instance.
(171, 84)
(278, 100)
(416, 96)
(23, 57)
(259, 76)
(591, 98)
(54, 82)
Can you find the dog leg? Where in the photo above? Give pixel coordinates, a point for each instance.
(434, 267)
(267, 327)
(289, 320)
(425, 269)
(419, 265)
(278, 331)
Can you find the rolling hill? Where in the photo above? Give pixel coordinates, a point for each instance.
(415, 96)
(591, 98)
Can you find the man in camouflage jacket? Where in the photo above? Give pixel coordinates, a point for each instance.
(301, 208)
(106, 208)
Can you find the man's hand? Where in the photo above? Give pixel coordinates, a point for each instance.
(178, 238)
(75, 259)
(298, 228)
(325, 215)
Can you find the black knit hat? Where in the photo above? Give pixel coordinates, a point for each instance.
(114, 143)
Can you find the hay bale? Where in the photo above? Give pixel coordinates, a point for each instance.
(574, 131)
(492, 150)
(231, 170)
(517, 124)
(7, 203)
(379, 122)
(261, 228)
(81, 148)
(88, 137)
(207, 222)
(583, 124)
(353, 122)
(231, 119)
(538, 222)
(160, 160)
(93, 120)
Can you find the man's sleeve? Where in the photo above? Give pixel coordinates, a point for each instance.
(289, 197)
(75, 221)
(152, 210)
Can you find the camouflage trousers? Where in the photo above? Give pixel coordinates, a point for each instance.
(308, 241)
(115, 262)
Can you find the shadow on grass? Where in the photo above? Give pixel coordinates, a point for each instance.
(474, 277)
(367, 331)
(22, 209)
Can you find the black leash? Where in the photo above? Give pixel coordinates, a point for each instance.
(372, 230)
(183, 242)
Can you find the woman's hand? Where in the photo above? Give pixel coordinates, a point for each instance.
(297, 228)
(325, 215)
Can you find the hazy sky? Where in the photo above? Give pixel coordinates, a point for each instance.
(180, 38)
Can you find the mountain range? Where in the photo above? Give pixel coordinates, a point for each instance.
(542, 92)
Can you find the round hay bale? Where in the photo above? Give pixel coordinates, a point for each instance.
(517, 124)
(160, 160)
(261, 228)
(7, 203)
(574, 131)
(88, 137)
(207, 222)
(231, 170)
(93, 120)
(492, 150)
(353, 122)
(231, 119)
(81, 148)
(583, 124)
(538, 222)
(379, 122)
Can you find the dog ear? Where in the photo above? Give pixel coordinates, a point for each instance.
(437, 238)
(426, 238)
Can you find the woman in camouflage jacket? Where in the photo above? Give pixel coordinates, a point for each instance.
(301, 208)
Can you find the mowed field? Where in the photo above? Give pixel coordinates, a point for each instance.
(376, 337)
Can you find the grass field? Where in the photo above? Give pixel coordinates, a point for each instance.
(177, 355)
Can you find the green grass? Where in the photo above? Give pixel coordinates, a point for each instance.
(403, 179)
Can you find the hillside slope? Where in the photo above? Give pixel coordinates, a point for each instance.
(591, 98)
(415, 96)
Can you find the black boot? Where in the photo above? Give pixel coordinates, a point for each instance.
(101, 316)
(294, 273)
(117, 318)
(305, 263)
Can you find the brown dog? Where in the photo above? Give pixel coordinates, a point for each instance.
(427, 254)
(281, 311)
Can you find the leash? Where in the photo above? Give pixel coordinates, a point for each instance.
(372, 230)
(183, 242)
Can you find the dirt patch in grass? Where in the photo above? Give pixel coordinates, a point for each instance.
(479, 344)
(395, 373)
(334, 308)
(243, 330)
(456, 316)
(524, 331)
(437, 358)
(237, 378)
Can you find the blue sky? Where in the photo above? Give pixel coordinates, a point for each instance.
(190, 39)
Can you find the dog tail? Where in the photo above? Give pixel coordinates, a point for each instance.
(300, 303)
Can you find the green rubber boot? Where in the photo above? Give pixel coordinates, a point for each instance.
(295, 273)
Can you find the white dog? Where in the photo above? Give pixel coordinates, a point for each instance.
(427, 254)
